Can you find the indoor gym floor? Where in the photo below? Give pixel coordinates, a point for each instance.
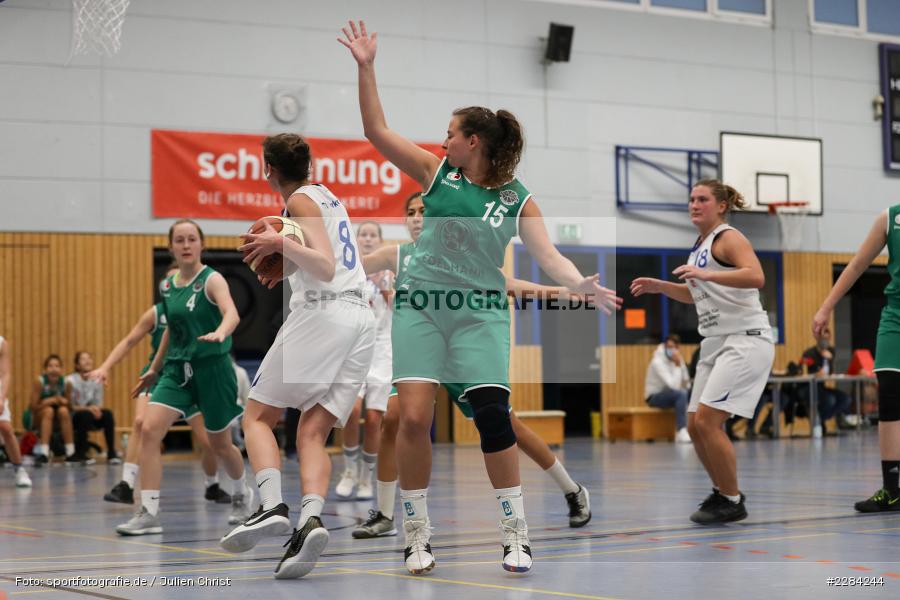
(640, 545)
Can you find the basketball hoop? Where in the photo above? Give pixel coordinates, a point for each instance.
(791, 216)
(97, 26)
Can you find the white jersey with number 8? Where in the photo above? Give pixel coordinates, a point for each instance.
(349, 278)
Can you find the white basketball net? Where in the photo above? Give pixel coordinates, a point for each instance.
(97, 26)
(790, 226)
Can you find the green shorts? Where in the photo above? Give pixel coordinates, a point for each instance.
(887, 344)
(208, 386)
(464, 345)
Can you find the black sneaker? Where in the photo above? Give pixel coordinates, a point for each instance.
(79, 459)
(262, 523)
(216, 494)
(41, 460)
(579, 507)
(377, 525)
(719, 509)
(121, 493)
(303, 550)
(881, 501)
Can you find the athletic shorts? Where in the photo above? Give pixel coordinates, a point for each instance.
(206, 386)
(732, 373)
(321, 355)
(465, 346)
(887, 344)
(377, 386)
(6, 415)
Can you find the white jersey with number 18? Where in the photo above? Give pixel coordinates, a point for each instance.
(721, 309)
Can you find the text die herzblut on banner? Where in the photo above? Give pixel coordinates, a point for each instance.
(220, 176)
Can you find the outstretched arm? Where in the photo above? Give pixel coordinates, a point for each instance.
(868, 250)
(558, 267)
(649, 285)
(416, 162)
(383, 259)
(144, 326)
(218, 292)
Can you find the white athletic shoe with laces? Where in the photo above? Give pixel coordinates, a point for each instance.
(365, 491)
(344, 488)
(22, 479)
(516, 547)
(418, 556)
(682, 436)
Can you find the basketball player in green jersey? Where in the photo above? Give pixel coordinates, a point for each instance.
(381, 521)
(153, 323)
(884, 232)
(196, 374)
(474, 204)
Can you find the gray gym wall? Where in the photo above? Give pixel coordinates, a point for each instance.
(74, 140)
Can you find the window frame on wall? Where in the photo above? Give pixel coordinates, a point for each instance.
(712, 12)
(860, 31)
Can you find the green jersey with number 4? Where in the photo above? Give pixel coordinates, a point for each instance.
(467, 229)
(189, 314)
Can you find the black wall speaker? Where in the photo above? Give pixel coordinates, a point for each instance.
(559, 43)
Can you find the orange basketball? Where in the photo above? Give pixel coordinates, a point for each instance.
(274, 266)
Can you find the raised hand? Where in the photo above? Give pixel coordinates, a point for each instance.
(361, 46)
(604, 298)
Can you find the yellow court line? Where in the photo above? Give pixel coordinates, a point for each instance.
(119, 540)
(27, 558)
(491, 586)
(689, 534)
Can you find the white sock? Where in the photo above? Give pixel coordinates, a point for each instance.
(559, 474)
(512, 505)
(150, 501)
(130, 473)
(212, 479)
(310, 506)
(269, 483)
(368, 469)
(42, 450)
(70, 449)
(414, 504)
(351, 458)
(734, 499)
(386, 492)
(238, 486)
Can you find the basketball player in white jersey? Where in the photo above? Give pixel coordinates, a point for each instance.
(722, 278)
(318, 361)
(377, 386)
(6, 431)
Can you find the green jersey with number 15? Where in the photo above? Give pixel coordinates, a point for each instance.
(467, 229)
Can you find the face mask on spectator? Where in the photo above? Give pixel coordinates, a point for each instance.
(669, 353)
(823, 344)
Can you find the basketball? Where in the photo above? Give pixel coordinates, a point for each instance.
(274, 266)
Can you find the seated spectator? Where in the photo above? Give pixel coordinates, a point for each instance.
(7, 436)
(49, 407)
(88, 414)
(665, 385)
(819, 361)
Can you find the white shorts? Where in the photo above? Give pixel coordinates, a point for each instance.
(377, 386)
(732, 373)
(6, 415)
(320, 356)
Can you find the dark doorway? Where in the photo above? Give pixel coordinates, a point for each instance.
(569, 340)
(857, 314)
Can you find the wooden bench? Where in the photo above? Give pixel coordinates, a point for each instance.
(548, 424)
(640, 423)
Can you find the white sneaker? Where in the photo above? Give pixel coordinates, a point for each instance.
(22, 479)
(682, 436)
(516, 547)
(418, 556)
(365, 491)
(142, 523)
(344, 488)
(240, 506)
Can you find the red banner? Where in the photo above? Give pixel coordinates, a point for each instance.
(220, 176)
